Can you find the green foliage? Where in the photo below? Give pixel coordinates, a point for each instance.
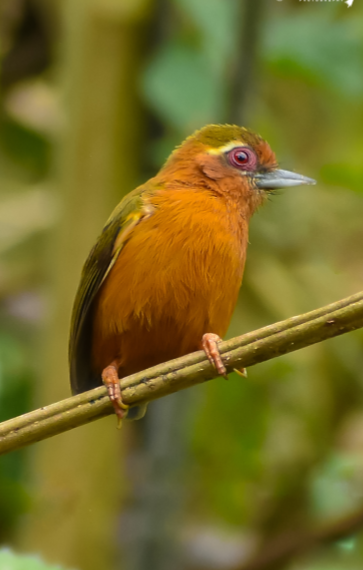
(343, 174)
(11, 561)
(15, 399)
(215, 26)
(334, 489)
(180, 86)
(26, 148)
(317, 48)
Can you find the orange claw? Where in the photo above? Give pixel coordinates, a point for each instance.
(210, 346)
(241, 371)
(111, 380)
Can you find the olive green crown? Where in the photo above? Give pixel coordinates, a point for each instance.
(216, 136)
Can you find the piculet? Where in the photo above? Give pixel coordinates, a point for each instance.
(163, 277)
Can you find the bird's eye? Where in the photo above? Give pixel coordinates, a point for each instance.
(243, 158)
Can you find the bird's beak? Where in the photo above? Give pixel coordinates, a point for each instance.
(280, 179)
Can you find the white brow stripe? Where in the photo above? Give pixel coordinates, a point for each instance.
(226, 148)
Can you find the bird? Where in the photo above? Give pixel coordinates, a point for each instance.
(163, 278)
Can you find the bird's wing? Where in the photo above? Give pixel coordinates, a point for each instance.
(131, 210)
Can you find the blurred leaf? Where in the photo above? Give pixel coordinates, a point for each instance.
(14, 499)
(11, 561)
(343, 174)
(318, 49)
(182, 88)
(26, 148)
(15, 396)
(334, 492)
(218, 24)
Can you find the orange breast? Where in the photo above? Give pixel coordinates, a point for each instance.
(176, 278)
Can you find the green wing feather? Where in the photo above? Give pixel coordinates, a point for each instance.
(128, 213)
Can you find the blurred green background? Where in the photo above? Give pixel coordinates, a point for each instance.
(94, 95)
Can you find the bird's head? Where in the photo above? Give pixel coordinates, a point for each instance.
(235, 160)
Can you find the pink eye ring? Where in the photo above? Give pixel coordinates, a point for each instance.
(242, 158)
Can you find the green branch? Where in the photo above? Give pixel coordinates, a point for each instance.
(240, 352)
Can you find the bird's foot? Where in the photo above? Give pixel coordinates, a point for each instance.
(210, 346)
(111, 380)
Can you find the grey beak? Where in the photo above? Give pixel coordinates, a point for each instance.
(280, 179)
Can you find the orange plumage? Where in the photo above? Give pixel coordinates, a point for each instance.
(168, 267)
